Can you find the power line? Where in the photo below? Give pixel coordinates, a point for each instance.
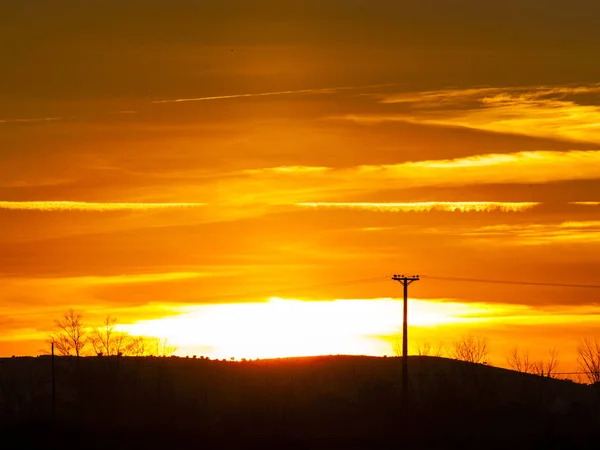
(515, 282)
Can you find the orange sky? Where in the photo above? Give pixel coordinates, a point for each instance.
(197, 159)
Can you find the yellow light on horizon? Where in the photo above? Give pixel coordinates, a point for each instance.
(290, 327)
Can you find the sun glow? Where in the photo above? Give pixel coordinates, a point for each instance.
(288, 327)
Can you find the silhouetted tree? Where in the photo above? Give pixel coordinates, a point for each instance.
(139, 346)
(546, 368)
(162, 347)
(106, 340)
(146, 346)
(70, 336)
(519, 360)
(588, 358)
(423, 349)
(473, 349)
(397, 346)
(426, 349)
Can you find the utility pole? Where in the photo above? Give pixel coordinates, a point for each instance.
(405, 281)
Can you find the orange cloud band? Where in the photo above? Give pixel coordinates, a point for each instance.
(429, 206)
(91, 206)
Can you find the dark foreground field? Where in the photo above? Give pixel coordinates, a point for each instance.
(333, 402)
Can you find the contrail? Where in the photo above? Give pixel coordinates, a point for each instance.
(266, 94)
(91, 206)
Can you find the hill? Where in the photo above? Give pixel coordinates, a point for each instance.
(325, 401)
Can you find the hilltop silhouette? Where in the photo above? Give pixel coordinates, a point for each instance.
(312, 402)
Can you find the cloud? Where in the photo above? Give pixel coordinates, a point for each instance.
(537, 234)
(429, 206)
(558, 112)
(24, 299)
(51, 206)
(455, 97)
(305, 185)
(521, 167)
(135, 278)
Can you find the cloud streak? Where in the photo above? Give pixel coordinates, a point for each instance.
(428, 206)
(57, 206)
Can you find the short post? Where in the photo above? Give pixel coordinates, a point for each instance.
(53, 387)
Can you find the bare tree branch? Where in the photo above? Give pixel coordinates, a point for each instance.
(588, 358)
(473, 349)
(397, 345)
(164, 348)
(70, 336)
(519, 360)
(425, 348)
(550, 366)
(107, 340)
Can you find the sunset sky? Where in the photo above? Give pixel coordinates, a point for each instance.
(218, 173)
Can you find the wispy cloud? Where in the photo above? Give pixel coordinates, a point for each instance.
(137, 278)
(326, 184)
(458, 96)
(563, 112)
(536, 234)
(91, 206)
(428, 206)
(536, 166)
(268, 94)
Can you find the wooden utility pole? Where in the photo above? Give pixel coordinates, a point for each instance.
(405, 281)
